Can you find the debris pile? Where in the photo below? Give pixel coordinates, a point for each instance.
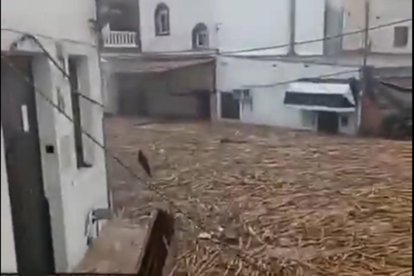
(284, 203)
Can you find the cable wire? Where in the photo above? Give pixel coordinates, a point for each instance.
(217, 52)
(319, 39)
(240, 254)
(228, 53)
(73, 41)
(299, 79)
(61, 69)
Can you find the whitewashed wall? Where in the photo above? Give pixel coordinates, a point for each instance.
(8, 255)
(72, 193)
(246, 24)
(184, 16)
(259, 76)
(310, 24)
(381, 12)
(235, 24)
(334, 21)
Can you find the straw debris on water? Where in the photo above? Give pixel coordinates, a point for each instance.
(293, 203)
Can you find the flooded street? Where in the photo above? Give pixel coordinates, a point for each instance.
(290, 203)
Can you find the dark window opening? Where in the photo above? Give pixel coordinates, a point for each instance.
(344, 121)
(162, 20)
(200, 38)
(76, 111)
(400, 36)
(230, 106)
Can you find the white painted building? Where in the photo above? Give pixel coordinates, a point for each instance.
(393, 39)
(43, 166)
(240, 31)
(176, 20)
(267, 105)
(232, 25)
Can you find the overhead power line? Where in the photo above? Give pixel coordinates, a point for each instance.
(380, 26)
(239, 253)
(59, 67)
(216, 51)
(73, 41)
(319, 39)
(299, 79)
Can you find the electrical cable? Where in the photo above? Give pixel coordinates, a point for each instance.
(240, 254)
(84, 43)
(56, 64)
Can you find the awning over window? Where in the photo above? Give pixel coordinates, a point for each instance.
(335, 97)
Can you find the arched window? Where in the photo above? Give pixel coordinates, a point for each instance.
(200, 36)
(162, 20)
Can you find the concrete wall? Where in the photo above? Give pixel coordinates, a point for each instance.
(334, 26)
(310, 24)
(381, 12)
(184, 15)
(235, 24)
(187, 79)
(167, 94)
(148, 95)
(110, 90)
(8, 254)
(72, 193)
(246, 24)
(260, 77)
(351, 128)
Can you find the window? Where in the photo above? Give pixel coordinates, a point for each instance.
(344, 121)
(308, 118)
(200, 36)
(230, 107)
(244, 97)
(400, 36)
(76, 66)
(162, 20)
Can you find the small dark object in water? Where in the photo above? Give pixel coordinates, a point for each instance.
(231, 141)
(143, 161)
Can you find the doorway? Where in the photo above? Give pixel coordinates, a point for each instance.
(230, 107)
(204, 109)
(29, 205)
(328, 122)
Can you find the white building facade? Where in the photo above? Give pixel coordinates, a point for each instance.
(267, 82)
(70, 179)
(241, 34)
(176, 20)
(395, 39)
(249, 64)
(232, 25)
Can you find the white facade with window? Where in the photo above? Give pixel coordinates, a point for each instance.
(264, 103)
(72, 191)
(167, 25)
(391, 39)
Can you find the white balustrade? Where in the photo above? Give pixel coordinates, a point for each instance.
(120, 39)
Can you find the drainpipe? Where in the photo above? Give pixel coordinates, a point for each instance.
(292, 26)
